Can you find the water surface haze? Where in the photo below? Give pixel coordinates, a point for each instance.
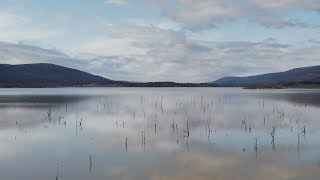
(159, 133)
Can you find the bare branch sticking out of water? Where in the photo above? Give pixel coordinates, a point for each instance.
(90, 163)
(126, 144)
(273, 132)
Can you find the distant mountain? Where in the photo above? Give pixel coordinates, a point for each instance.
(45, 75)
(304, 75)
(51, 75)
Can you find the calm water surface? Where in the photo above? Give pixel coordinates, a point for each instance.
(159, 133)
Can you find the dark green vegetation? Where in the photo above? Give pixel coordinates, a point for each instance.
(299, 77)
(50, 75)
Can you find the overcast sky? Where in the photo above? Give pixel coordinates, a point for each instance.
(158, 40)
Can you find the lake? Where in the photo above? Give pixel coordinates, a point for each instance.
(159, 133)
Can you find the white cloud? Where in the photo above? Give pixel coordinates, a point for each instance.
(276, 4)
(116, 2)
(11, 53)
(201, 14)
(195, 15)
(150, 53)
(8, 20)
(161, 51)
(14, 28)
(132, 40)
(155, 54)
(164, 24)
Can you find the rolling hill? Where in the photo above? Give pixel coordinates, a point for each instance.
(304, 75)
(45, 75)
(51, 75)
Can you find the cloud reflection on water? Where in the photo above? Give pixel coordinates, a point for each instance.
(108, 116)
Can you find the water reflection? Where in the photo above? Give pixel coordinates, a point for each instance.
(298, 97)
(164, 133)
